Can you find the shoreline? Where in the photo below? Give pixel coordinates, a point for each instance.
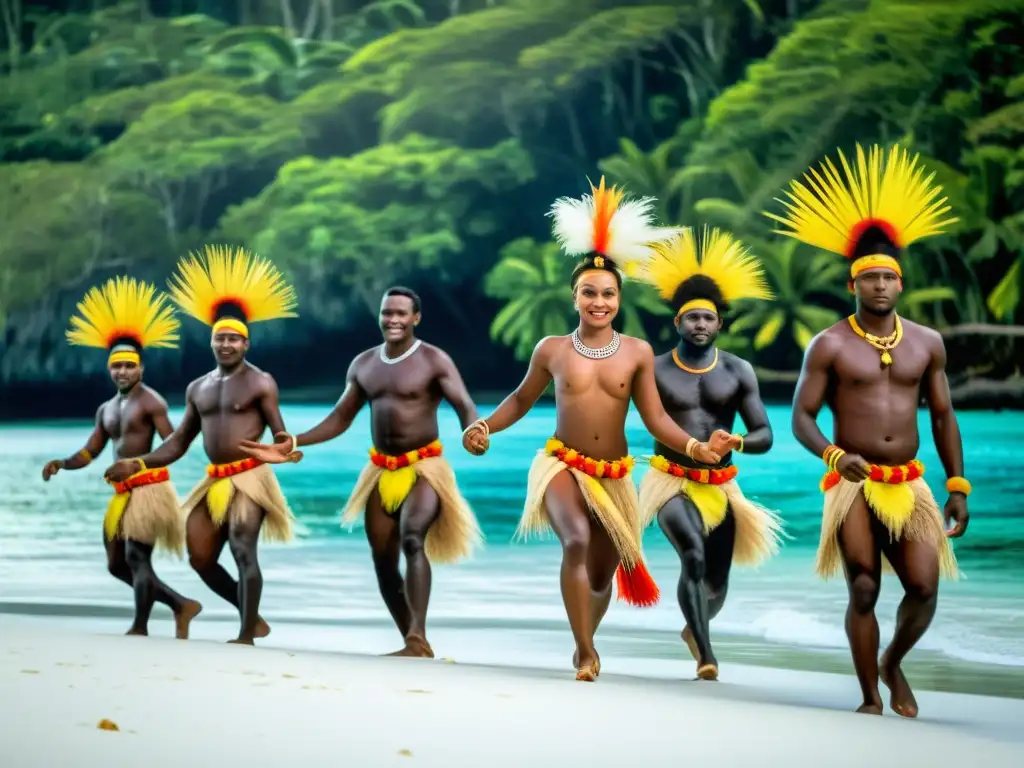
(177, 702)
(651, 653)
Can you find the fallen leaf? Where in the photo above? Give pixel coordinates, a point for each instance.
(107, 725)
(416, 690)
(446, 660)
(405, 753)
(30, 671)
(286, 676)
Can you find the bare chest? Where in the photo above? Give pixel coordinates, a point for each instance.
(682, 391)
(860, 366)
(411, 379)
(576, 375)
(121, 416)
(218, 396)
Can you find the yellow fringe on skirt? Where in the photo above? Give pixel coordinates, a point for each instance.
(259, 486)
(453, 536)
(613, 502)
(758, 529)
(906, 509)
(147, 514)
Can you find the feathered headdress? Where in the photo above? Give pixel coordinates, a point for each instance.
(709, 275)
(228, 290)
(870, 217)
(611, 233)
(124, 317)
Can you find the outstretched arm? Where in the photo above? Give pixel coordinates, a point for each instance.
(755, 418)
(93, 447)
(522, 399)
(453, 389)
(341, 416)
(658, 422)
(946, 433)
(810, 394)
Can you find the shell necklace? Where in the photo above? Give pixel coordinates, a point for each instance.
(884, 344)
(395, 360)
(595, 354)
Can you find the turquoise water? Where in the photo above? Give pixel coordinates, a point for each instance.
(51, 554)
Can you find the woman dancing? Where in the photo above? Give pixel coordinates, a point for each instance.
(580, 484)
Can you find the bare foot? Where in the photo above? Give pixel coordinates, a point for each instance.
(870, 709)
(415, 647)
(242, 641)
(262, 628)
(706, 671)
(138, 632)
(901, 698)
(576, 662)
(189, 610)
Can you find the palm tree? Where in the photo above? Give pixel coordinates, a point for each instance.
(533, 279)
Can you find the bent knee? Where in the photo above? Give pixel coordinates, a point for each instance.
(575, 545)
(412, 545)
(693, 565)
(923, 593)
(864, 593)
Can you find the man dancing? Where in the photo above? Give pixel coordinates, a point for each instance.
(240, 496)
(701, 509)
(872, 370)
(579, 485)
(408, 490)
(124, 317)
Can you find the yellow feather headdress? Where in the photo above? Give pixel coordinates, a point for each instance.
(124, 317)
(872, 215)
(228, 290)
(612, 233)
(706, 275)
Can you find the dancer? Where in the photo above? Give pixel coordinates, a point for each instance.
(124, 317)
(701, 509)
(872, 370)
(579, 485)
(411, 500)
(240, 496)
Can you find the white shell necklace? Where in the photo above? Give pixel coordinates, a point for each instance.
(595, 354)
(395, 360)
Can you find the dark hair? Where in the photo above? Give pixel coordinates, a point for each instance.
(588, 264)
(700, 287)
(231, 309)
(875, 240)
(409, 293)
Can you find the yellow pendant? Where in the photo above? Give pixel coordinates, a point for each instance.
(886, 357)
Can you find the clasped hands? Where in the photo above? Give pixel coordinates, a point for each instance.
(281, 451)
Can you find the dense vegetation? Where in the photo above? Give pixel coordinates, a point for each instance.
(360, 144)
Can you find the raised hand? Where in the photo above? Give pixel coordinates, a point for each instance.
(853, 467)
(51, 469)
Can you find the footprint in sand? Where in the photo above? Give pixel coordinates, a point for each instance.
(417, 690)
(286, 676)
(30, 671)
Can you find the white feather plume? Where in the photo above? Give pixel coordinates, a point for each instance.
(630, 229)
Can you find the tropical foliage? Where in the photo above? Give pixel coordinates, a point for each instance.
(361, 144)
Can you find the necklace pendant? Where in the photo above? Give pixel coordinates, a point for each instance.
(886, 357)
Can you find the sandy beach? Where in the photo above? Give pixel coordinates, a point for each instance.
(204, 702)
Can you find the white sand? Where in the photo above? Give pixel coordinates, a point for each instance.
(202, 703)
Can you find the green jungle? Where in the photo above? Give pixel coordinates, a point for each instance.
(363, 144)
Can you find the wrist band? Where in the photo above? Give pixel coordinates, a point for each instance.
(691, 444)
(84, 453)
(142, 465)
(739, 448)
(831, 456)
(958, 485)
